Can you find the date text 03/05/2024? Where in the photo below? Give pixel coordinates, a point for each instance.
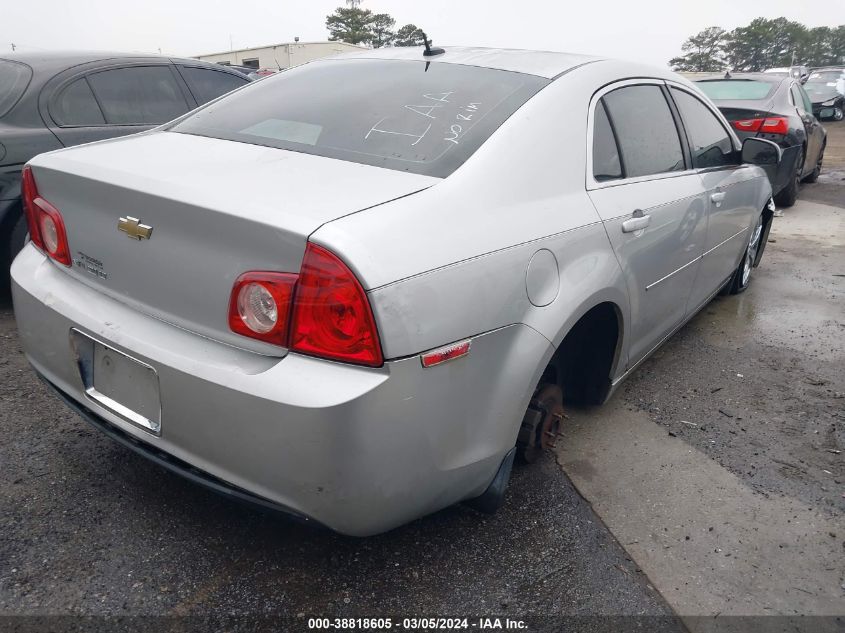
(411, 624)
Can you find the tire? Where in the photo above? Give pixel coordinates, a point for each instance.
(814, 175)
(742, 275)
(787, 196)
(838, 113)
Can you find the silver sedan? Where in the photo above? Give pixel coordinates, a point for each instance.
(433, 253)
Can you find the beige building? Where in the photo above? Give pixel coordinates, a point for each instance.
(279, 56)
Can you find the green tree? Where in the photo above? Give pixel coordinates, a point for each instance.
(352, 25)
(703, 52)
(381, 26)
(763, 44)
(409, 35)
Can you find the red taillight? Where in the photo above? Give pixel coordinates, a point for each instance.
(46, 226)
(29, 194)
(260, 306)
(322, 312)
(747, 125)
(770, 125)
(775, 125)
(331, 314)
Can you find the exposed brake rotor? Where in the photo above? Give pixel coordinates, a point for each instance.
(541, 424)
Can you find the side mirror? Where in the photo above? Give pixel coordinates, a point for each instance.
(759, 151)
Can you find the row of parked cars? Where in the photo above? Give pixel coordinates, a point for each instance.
(825, 87)
(775, 105)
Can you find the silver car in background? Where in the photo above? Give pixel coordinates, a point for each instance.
(435, 254)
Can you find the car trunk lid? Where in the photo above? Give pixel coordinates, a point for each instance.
(216, 209)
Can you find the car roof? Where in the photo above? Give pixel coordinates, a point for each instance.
(546, 64)
(56, 61)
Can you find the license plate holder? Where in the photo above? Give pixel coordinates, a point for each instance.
(125, 386)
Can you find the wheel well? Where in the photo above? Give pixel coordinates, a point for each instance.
(585, 358)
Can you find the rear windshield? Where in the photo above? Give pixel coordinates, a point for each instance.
(404, 115)
(829, 77)
(14, 78)
(737, 89)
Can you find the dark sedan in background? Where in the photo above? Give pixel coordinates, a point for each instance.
(773, 107)
(826, 89)
(54, 100)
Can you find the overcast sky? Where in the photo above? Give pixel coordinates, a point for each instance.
(649, 30)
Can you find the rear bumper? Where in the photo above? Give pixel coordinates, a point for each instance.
(359, 450)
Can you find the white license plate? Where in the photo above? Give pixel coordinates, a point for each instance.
(124, 385)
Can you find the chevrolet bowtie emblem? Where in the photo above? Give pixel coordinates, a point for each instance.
(134, 229)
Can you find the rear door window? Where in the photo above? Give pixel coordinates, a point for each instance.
(76, 106)
(645, 129)
(14, 78)
(138, 95)
(711, 144)
(606, 163)
(207, 84)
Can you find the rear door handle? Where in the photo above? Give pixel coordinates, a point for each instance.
(717, 197)
(637, 222)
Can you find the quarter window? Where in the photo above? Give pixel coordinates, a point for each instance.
(76, 105)
(606, 163)
(209, 84)
(645, 129)
(711, 144)
(138, 95)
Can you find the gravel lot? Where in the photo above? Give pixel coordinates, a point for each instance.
(88, 528)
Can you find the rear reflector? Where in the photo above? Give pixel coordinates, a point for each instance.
(443, 354)
(46, 226)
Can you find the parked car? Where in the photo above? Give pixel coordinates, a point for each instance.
(260, 73)
(244, 70)
(801, 73)
(826, 89)
(777, 108)
(426, 266)
(54, 100)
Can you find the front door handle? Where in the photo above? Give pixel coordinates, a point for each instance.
(637, 222)
(717, 198)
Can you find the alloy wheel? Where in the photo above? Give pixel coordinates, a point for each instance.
(751, 251)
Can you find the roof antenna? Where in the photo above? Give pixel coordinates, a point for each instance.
(728, 74)
(430, 52)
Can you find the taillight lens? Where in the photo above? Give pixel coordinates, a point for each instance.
(46, 226)
(747, 125)
(769, 125)
(775, 125)
(260, 305)
(29, 194)
(331, 314)
(323, 311)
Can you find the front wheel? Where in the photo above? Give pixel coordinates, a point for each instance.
(742, 276)
(838, 113)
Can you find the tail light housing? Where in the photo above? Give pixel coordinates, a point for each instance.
(260, 306)
(46, 226)
(323, 311)
(767, 125)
